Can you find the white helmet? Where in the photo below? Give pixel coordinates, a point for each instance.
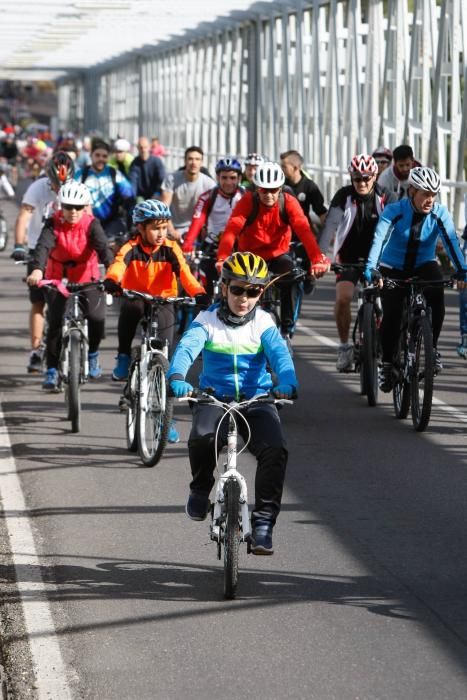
(425, 179)
(254, 159)
(74, 193)
(122, 145)
(269, 175)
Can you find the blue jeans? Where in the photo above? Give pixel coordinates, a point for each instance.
(463, 302)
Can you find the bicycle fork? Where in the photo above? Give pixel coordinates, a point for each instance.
(230, 472)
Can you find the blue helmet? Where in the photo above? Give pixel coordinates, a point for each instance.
(151, 210)
(228, 164)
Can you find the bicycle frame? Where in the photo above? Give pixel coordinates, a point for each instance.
(73, 319)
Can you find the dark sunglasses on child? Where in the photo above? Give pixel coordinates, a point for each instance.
(251, 292)
(69, 207)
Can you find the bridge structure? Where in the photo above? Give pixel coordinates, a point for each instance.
(329, 78)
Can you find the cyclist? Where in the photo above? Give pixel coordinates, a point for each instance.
(109, 191)
(147, 172)
(122, 158)
(251, 163)
(301, 184)
(351, 221)
(395, 178)
(383, 158)
(182, 189)
(236, 339)
(262, 223)
(71, 245)
(39, 202)
(211, 214)
(404, 246)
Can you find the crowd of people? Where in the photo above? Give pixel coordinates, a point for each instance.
(94, 203)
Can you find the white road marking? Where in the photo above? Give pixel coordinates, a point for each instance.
(324, 340)
(48, 666)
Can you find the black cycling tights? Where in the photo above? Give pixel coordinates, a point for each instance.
(393, 300)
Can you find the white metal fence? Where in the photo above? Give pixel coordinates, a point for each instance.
(328, 77)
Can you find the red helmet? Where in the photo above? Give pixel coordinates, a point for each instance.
(60, 168)
(363, 165)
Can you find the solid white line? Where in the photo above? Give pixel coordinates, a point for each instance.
(48, 666)
(458, 415)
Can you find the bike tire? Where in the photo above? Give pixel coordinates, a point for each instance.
(401, 389)
(231, 537)
(421, 383)
(3, 236)
(154, 413)
(132, 412)
(369, 350)
(74, 370)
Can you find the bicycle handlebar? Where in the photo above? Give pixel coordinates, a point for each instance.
(204, 397)
(340, 267)
(133, 294)
(391, 283)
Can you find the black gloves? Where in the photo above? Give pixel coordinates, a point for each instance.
(112, 287)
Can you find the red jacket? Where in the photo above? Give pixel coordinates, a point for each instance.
(268, 236)
(72, 256)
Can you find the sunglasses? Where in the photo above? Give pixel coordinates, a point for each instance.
(362, 178)
(383, 162)
(272, 190)
(69, 207)
(251, 292)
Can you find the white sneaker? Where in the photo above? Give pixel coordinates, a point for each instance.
(344, 358)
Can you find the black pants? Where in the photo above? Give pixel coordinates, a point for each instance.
(392, 300)
(288, 290)
(267, 445)
(131, 313)
(93, 305)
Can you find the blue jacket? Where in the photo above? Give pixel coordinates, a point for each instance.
(392, 237)
(234, 358)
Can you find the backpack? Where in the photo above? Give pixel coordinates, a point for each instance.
(255, 209)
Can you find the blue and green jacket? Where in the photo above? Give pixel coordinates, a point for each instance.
(234, 358)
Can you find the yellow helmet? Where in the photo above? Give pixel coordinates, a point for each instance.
(245, 267)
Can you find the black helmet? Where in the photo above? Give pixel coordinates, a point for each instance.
(60, 168)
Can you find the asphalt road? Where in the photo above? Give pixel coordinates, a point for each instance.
(365, 596)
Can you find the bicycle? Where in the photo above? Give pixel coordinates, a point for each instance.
(230, 520)
(73, 362)
(414, 361)
(365, 334)
(3, 232)
(145, 396)
(270, 299)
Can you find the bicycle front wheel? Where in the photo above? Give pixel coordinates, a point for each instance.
(154, 412)
(421, 385)
(401, 389)
(231, 537)
(132, 391)
(369, 357)
(73, 389)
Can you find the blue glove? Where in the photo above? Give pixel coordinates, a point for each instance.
(372, 275)
(287, 390)
(180, 388)
(19, 253)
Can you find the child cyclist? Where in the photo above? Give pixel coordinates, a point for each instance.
(71, 245)
(149, 263)
(237, 339)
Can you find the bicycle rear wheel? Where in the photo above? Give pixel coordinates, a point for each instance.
(421, 385)
(132, 391)
(369, 354)
(401, 389)
(231, 537)
(154, 413)
(73, 389)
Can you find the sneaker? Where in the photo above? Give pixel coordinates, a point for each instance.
(386, 377)
(50, 382)
(261, 538)
(197, 506)
(438, 363)
(35, 362)
(95, 370)
(120, 372)
(173, 435)
(345, 358)
(462, 348)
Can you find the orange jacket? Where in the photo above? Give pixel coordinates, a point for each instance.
(153, 270)
(268, 236)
